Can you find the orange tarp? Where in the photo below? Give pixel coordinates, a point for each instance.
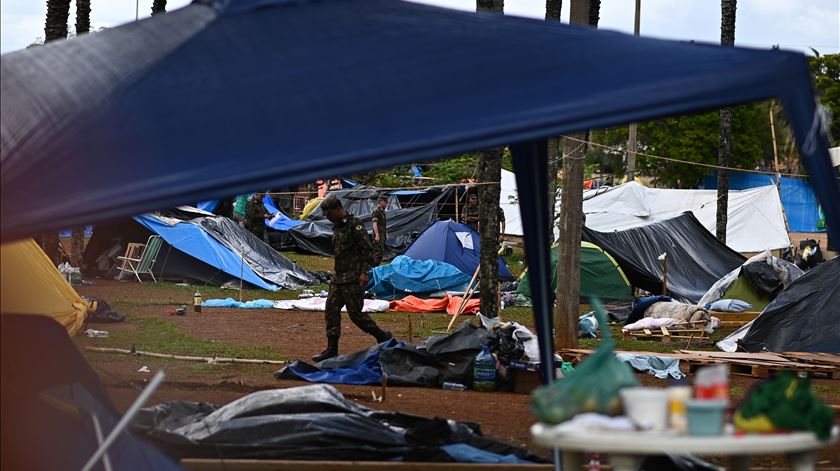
(449, 304)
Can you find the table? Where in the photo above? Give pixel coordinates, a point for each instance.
(627, 449)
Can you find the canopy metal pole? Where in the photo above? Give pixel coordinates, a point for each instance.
(126, 418)
(530, 160)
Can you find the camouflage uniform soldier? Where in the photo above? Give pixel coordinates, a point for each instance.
(380, 231)
(255, 216)
(353, 251)
(469, 213)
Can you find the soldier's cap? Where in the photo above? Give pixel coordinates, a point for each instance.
(330, 203)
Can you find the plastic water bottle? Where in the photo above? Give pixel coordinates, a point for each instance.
(484, 372)
(454, 386)
(197, 303)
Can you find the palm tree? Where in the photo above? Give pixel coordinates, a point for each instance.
(489, 169)
(58, 12)
(727, 38)
(158, 7)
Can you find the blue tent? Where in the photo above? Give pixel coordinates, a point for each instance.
(453, 243)
(798, 198)
(345, 86)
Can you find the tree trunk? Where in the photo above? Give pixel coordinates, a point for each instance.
(82, 16)
(552, 13)
(489, 169)
(594, 12)
(58, 12)
(571, 211)
(727, 38)
(49, 243)
(158, 7)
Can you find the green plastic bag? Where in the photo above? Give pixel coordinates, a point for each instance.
(592, 387)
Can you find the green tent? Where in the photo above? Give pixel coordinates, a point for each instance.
(742, 289)
(600, 275)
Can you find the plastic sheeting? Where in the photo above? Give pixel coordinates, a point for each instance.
(278, 221)
(449, 304)
(696, 259)
(405, 275)
(360, 200)
(320, 304)
(310, 423)
(804, 317)
(454, 243)
(787, 272)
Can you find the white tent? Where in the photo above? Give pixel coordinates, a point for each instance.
(755, 223)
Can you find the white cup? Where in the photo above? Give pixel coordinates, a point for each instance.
(646, 407)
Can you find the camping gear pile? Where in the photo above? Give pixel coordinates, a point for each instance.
(756, 282)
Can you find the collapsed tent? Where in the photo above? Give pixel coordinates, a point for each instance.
(405, 275)
(314, 423)
(696, 259)
(360, 200)
(756, 282)
(755, 218)
(453, 243)
(206, 249)
(315, 235)
(32, 285)
(600, 275)
(54, 404)
(804, 317)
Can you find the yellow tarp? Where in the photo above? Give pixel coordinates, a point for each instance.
(32, 285)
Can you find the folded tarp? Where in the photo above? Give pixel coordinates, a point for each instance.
(319, 304)
(804, 317)
(441, 359)
(405, 275)
(696, 259)
(278, 221)
(194, 241)
(313, 423)
(449, 304)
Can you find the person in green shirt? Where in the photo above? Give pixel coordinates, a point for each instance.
(239, 204)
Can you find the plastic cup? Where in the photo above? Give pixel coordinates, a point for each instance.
(705, 417)
(646, 407)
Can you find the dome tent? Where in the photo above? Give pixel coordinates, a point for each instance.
(600, 275)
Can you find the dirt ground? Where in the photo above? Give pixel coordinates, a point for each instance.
(298, 335)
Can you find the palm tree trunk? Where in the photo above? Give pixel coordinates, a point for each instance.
(727, 38)
(489, 169)
(82, 16)
(58, 12)
(158, 7)
(552, 13)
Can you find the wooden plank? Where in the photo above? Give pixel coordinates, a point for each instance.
(196, 464)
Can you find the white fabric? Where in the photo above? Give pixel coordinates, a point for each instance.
(755, 223)
(594, 422)
(465, 238)
(649, 323)
(730, 343)
(319, 304)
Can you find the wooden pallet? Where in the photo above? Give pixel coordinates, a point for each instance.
(686, 331)
(758, 365)
(735, 319)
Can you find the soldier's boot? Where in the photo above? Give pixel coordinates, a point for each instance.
(381, 335)
(330, 352)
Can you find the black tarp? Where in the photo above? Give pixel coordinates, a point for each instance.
(696, 259)
(315, 236)
(50, 394)
(266, 262)
(804, 317)
(312, 422)
(360, 200)
(763, 278)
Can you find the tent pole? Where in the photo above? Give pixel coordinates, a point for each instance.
(530, 160)
(457, 202)
(241, 271)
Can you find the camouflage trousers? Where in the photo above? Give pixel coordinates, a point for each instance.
(351, 295)
(378, 253)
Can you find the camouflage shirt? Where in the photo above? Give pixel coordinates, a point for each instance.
(379, 219)
(470, 212)
(352, 249)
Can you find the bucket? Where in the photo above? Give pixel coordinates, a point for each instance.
(705, 417)
(646, 407)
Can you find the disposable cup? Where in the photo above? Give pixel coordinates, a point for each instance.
(705, 417)
(646, 407)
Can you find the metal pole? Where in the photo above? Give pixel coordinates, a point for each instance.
(126, 418)
(136, 10)
(97, 429)
(631, 138)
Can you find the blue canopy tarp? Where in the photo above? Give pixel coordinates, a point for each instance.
(207, 205)
(102, 137)
(194, 241)
(405, 275)
(279, 221)
(454, 243)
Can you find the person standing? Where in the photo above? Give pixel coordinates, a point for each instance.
(353, 255)
(380, 231)
(469, 214)
(255, 216)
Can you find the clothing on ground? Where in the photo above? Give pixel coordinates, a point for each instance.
(659, 366)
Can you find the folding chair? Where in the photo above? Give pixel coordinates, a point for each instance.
(142, 264)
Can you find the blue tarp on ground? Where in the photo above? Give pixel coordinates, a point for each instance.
(453, 243)
(798, 198)
(279, 221)
(194, 241)
(405, 275)
(361, 367)
(207, 205)
(230, 302)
